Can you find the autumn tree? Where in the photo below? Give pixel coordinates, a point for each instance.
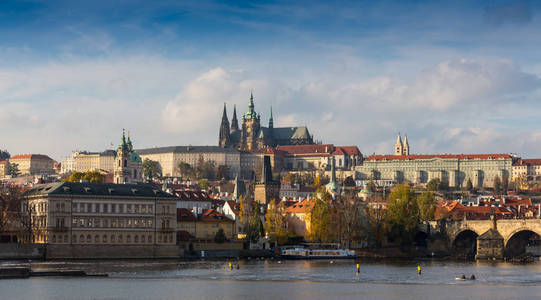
(275, 225)
(151, 169)
(89, 176)
(427, 206)
(321, 218)
(376, 216)
(505, 184)
(13, 169)
(402, 214)
(433, 185)
(469, 185)
(220, 237)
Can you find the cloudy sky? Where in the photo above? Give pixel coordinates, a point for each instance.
(455, 76)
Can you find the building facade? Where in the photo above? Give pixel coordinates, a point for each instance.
(454, 169)
(84, 161)
(33, 164)
(527, 170)
(251, 135)
(170, 157)
(93, 213)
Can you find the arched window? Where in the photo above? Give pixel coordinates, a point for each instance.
(88, 239)
(136, 239)
(96, 239)
(125, 162)
(142, 239)
(104, 238)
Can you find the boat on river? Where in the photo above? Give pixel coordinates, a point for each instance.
(316, 251)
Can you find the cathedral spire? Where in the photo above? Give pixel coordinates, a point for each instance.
(406, 147)
(234, 121)
(224, 138)
(251, 114)
(271, 121)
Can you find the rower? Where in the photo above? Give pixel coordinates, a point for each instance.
(419, 269)
(472, 277)
(358, 268)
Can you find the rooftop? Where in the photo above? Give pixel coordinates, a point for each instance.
(97, 189)
(441, 156)
(185, 149)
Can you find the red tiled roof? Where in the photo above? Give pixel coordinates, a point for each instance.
(23, 156)
(212, 215)
(443, 156)
(185, 215)
(528, 162)
(3, 161)
(347, 150)
(304, 206)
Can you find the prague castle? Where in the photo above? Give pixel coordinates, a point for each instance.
(253, 136)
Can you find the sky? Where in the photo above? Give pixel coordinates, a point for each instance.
(454, 76)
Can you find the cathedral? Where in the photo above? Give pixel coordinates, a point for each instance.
(128, 165)
(253, 136)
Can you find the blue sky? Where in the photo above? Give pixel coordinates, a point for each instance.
(456, 76)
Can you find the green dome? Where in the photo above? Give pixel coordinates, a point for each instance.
(135, 157)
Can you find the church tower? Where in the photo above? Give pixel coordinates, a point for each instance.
(406, 150)
(225, 139)
(234, 121)
(399, 147)
(250, 127)
(128, 165)
(271, 121)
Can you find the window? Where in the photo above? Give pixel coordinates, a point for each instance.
(74, 239)
(120, 238)
(112, 238)
(82, 238)
(96, 239)
(129, 208)
(88, 239)
(104, 238)
(128, 239)
(149, 239)
(142, 239)
(136, 239)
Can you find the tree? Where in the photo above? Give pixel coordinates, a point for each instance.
(275, 225)
(427, 206)
(223, 172)
(321, 217)
(377, 216)
(13, 169)
(434, 185)
(469, 185)
(402, 214)
(89, 176)
(203, 184)
(220, 237)
(497, 185)
(151, 169)
(350, 215)
(185, 169)
(290, 177)
(253, 227)
(4, 154)
(505, 184)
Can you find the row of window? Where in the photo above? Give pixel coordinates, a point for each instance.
(111, 223)
(112, 208)
(96, 239)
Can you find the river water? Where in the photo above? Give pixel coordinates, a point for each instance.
(272, 279)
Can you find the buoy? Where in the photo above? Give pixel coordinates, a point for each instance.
(358, 268)
(332, 262)
(230, 266)
(419, 269)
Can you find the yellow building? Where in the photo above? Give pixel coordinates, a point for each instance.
(33, 164)
(205, 225)
(298, 217)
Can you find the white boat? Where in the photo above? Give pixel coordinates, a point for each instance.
(300, 252)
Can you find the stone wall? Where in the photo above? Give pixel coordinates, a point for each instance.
(112, 251)
(22, 251)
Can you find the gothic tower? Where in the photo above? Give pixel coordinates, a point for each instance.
(271, 121)
(250, 127)
(406, 150)
(398, 147)
(225, 139)
(234, 121)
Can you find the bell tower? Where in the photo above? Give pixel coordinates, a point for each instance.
(406, 150)
(398, 146)
(224, 138)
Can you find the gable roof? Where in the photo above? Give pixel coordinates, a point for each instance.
(24, 156)
(304, 206)
(319, 150)
(528, 162)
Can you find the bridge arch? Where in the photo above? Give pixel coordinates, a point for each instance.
(518, 240)
(464, 243)
(462, 230)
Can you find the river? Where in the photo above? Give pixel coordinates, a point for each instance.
(271, 279)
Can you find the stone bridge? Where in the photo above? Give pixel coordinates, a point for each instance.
(505, 231)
